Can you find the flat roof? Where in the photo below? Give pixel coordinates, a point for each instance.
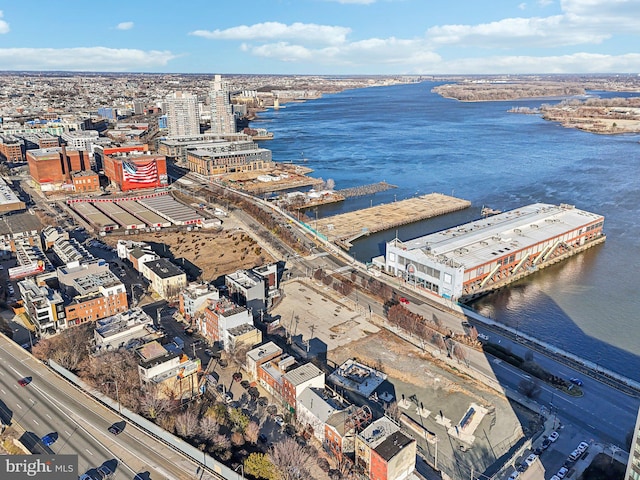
(163, 268)
(124, 218)
(19, 222)
(91, 214)
(303, 374)
(168, 207)
(265, 350)
(484, 240)
(140, 211)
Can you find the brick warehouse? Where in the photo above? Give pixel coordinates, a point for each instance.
(135, 171)
(52, 167)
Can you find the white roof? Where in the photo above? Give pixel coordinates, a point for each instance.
(484, 240)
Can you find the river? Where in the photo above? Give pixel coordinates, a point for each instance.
(423, 143)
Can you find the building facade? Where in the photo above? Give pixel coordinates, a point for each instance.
(135, 171)
(181, 109)
(222, 118)
(478, 256)
(633, 467)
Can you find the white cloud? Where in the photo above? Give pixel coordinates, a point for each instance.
(124, 26)
(373, 53)
(544, 3)
(516, 32)
(303, 32)
(577, 62)
(4, 26)
(522, 6)
(83, 59)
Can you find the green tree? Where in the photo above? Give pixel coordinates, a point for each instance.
(239, 420)
(259, 465)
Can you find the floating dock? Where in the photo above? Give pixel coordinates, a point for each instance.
(345, 228)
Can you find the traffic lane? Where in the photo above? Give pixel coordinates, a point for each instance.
(140, 450)
(578, 414)
(35, 412)
(598, 397)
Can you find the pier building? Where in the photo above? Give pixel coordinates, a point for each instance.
(466, 261)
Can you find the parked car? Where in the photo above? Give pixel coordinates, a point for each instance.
(530, 459)
(262, 438)
(562, 472)
(545, 443)
(554, 436)
(514, 475)
(279, 420)
(583, 447)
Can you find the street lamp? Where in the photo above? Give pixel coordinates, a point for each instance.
(115, 382)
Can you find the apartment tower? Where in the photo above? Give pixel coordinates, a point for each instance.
(222, 120)
(182, 114)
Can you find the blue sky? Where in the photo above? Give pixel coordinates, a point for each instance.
(322, 36)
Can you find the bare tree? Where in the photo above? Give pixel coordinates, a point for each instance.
(460, 353)
(153, 403)
(208, 428)
(251, 432)
(187, 424)
(438, 341)
(392, 410)
(291, 460)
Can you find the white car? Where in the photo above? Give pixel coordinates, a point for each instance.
(583, 447)
(554, 436)
(530, 459)
(562, 472)
(514, 475)
(279, 420)
(483, 336)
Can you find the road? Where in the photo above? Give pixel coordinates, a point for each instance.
(48, 404)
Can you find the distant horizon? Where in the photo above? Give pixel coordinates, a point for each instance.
(325, 37)
(348, 75)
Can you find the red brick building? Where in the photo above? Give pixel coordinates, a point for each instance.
(53, 166)
(135, 171)
(10, 148)
(95, 307)
(85, 181)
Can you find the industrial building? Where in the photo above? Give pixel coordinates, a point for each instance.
(135, 171)
(51, 168)
(468, 260)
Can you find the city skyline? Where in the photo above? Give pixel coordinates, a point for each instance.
(324, 37)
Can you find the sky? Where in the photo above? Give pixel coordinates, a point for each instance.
(322, 37)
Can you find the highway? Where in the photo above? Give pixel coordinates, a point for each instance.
(49, 404)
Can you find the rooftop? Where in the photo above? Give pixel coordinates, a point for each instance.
(163, 268)
(392, 445)
(484, 240)
(303, 374)
(266, 350)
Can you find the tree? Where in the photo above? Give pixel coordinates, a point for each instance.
(291, 460)
(239, 420)
(187, 424)
(529, 388)
(208, 428)
(260, 466)
(153, 403)
(392, 410)
(460, 353)
(251, 432)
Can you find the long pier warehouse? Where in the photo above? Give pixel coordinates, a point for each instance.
(466, 261)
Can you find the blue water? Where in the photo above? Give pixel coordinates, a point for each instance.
(423, 143)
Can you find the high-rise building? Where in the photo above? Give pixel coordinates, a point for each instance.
(182, 114)
(633, 467)
(222, 119)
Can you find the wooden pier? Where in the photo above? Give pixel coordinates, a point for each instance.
(345, 228)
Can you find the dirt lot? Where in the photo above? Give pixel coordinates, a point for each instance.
(207, 254)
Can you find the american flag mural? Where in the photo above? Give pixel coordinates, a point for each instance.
(140, 174)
